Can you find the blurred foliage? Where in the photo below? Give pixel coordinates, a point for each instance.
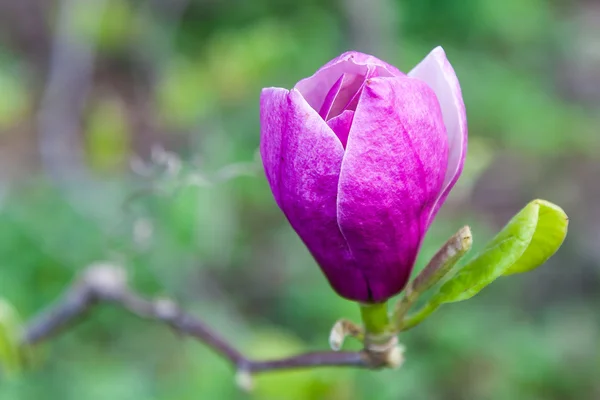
(190, 82)
(106, 136)
(11, 359)
(13, 102)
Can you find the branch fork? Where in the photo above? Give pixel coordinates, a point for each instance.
(107, 283)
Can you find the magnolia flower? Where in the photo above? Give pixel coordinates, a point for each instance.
(360, 157)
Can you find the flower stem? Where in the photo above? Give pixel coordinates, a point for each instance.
(380, 336)
(375, 318)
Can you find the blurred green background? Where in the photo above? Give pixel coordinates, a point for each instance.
(129, 132)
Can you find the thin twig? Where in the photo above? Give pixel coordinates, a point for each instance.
(107, 283)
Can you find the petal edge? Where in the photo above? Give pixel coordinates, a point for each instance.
(302, 158)
(437, 72)
(391, 176)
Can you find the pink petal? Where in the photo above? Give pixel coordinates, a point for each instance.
(391, 177)
(302, 159)
(330, 97)
(273, 108)
(353, 102)
(365, 59)
(436, 71)
(340, 94)
(315, 88)
(341, 125)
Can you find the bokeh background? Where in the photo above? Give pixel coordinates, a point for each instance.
(129, 132)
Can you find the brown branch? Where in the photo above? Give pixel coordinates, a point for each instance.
(106, 283)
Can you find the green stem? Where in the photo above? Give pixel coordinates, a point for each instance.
(375, 318)
(415, 319)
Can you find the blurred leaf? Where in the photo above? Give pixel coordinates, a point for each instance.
(200, 220)
(184, 210)
(14, 101)
(237, 60)
(184, 93)
(516, 22)
(519, 110)
(433, 19)
(107, 136)
(10, 326)
(229, 71)
(111, 30)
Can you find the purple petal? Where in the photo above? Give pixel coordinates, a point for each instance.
(365, 59)
(315, 88)
(273, 109)
(341, 125)
(436, 71)
(391, 177)
(353, 102)
(340, 94)
(302, 159)
(330, 97)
